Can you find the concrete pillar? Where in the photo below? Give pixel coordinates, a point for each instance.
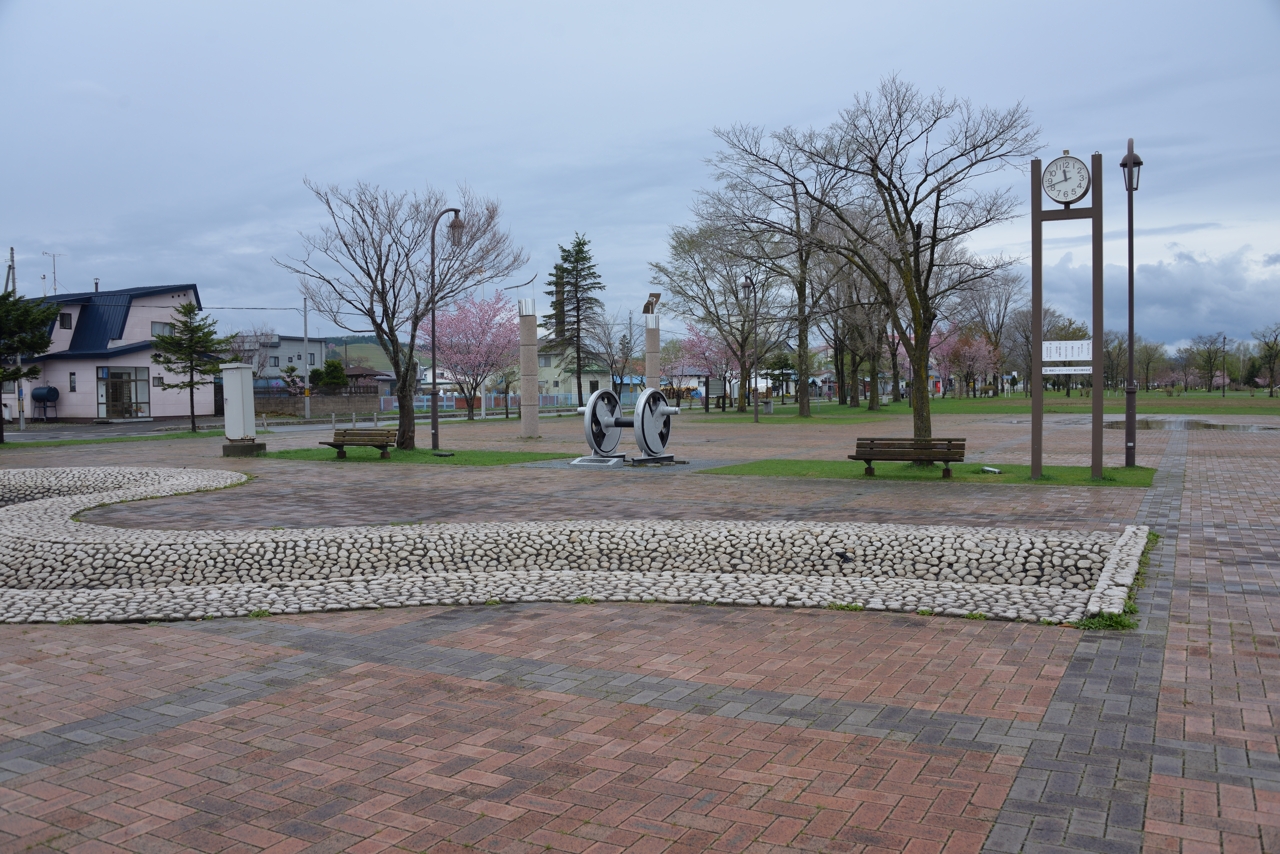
(652, 349)
(528, 370)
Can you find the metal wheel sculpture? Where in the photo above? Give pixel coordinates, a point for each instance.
(652, 422)
(603, 423)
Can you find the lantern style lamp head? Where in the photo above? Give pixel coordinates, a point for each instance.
(455, 229)
(1132, 166)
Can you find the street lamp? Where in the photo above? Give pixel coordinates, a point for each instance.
(1132, 166)
(455, 238)
(750, 285)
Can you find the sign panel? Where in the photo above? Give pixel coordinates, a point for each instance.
(1076, 370)
(1068, 351)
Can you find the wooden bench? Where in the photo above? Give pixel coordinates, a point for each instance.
(946, 451)
(381, 438)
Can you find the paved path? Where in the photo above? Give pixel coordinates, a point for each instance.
(666, 728)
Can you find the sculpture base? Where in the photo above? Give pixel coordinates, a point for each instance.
(251, 448)
(601, 462)
(664, 460)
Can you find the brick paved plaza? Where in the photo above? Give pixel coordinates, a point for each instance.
(671, 728)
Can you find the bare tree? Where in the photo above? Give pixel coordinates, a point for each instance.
(1211, 357)
(913, 187)
(613, 342)
(989, 306)
(1149, 355)
(1269, 353)
(368, 268)
(706, 283)
(252, 346)
(769, 202)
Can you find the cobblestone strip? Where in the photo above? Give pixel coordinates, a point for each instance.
(1088, 792)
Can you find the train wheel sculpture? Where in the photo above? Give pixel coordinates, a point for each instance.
(603, 423)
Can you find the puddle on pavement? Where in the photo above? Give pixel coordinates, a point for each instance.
(1188, 424)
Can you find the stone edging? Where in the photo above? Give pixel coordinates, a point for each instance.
(53, 568)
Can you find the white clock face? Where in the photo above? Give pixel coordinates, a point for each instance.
(1066, 180)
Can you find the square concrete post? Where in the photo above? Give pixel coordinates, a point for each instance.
(528, 370)
(652, 349)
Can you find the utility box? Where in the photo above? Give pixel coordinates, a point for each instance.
(238, 414)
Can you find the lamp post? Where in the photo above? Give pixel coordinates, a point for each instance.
(455, 237)
(1132, 166)
(750, 285)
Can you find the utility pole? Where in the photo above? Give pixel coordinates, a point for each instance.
(306, 364)
(11, 276)
(11, 286)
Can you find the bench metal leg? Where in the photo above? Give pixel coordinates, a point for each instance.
(946, 471)
(342, 453)
(386, 455)
(870, 472)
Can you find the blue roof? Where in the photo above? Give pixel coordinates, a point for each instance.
(102, 318)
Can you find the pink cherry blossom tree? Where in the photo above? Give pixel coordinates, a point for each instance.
(707, 352)
(477, 339)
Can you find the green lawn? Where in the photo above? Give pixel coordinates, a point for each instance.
(185, 434)
(419, 455)
(1149, 403)
(961, 472)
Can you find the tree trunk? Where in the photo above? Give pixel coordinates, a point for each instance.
(855, 381)
(404, 423)
(742, 385)
(802, 355)
(921, 424)
(897, 377)
(873, 399)
(191, 378)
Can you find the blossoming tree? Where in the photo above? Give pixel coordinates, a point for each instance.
(477, 339)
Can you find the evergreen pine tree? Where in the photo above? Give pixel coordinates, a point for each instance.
(191, 350)
(574, 306)
(25, 326)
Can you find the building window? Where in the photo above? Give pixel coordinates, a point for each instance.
(555, 383)
(595, 386)
(158, 328)
(544, 361)
(71, 381)
(64, 320)
(10, 387)
(157, 382)
(311, 358)
(275, 361)
(290, 360)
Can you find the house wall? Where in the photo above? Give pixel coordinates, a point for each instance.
(145, 309)
(288, 352)
(83, 402)
(62, 337)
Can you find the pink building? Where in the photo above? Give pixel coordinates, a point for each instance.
(100, 359)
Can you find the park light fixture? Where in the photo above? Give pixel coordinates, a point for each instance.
(456, 227)
(1131, 163)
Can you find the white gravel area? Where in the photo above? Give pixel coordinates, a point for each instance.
(53, 568)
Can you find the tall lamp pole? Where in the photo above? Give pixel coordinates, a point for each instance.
(1132, 165)
(455, 237)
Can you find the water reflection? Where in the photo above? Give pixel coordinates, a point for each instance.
(1187, 424)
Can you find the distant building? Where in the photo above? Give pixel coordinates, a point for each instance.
(100, 358)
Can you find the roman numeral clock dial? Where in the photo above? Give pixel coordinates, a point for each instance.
(1066, 180)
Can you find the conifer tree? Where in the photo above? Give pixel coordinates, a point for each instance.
(25, 325)
(191, 350)
(574, 306)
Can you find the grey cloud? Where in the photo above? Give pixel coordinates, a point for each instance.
(1271, 260)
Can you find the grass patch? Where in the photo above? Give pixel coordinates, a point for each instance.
(71, 621)
(584, 600)
(1125, 621)
(960, 472)
(111, 440)
(975, 615)
(419, 455)
(259, 613)
(836, 606)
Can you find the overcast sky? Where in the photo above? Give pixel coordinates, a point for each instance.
(157, 143)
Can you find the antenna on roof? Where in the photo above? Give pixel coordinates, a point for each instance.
(11, 275)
